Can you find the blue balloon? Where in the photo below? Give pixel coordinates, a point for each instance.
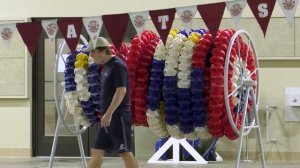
(86, 104)
(71, 58)
(197, 72)
(94, 67)
(198, 97)
(184, 105)
(171, 120)
(70, 89)
(183, 32)
(195, 89)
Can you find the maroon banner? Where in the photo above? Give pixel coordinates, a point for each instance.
(116, 26)
(30, 33)
(71, 29)
(262, 10)
(163, 20)
(212, 15)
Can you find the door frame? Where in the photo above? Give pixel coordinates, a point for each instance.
(41, 144)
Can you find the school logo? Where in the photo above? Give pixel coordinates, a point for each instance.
(186, 16)
(139, 21)
(122, 147)
(51, 28)
(288, 4)
(93, 26)
(236, 9)
(6, 33)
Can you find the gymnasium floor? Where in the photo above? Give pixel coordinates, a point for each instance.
(117, 163)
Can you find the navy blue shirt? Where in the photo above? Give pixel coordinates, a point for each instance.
(114, 75)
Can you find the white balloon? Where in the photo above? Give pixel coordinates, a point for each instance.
(91, 60)
(84, 96)
(184, 75)
(184, 67)
(184, 83)
(170, 72)
(80, 71)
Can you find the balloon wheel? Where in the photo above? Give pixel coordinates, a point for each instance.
(69, 122)
(241, 75)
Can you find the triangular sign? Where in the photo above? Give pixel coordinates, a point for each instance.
(212, 15)
(163, 20)
(138, 20)
(51, 28)
(289, 8)
(262, 10)
(30, 33)
(6, 34)
(71, 29)
(235, 8)
(93, 26)
(116, 27)
(186, 15)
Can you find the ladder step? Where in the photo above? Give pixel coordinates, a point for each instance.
(248, 127)
(69, 125)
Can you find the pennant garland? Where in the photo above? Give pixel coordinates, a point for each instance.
(116, 26)
(212, 15)
(93, 27)
(30, 33)
(71, 29)
(236, 8)
(163, 21)
(138, 20)
(51, 28)
(262, 10)
(6, 34)
(186, 15)
(289, 8)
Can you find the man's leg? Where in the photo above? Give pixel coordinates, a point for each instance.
(96, 160)
(129, 160)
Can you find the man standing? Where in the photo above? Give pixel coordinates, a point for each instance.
(115, 131)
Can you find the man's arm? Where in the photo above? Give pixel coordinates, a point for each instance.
(119, 76)
(117, 100)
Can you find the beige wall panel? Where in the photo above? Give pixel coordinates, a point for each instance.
(297, 37)
(15, 123)
(279, 40)
(144, 142)
(12, 82)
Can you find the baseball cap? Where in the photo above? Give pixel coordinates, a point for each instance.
(101, 42)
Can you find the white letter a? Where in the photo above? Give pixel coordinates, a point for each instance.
(71, 31)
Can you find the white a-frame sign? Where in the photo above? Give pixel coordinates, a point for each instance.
(176, 152)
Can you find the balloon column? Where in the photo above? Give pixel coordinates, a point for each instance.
(218, 122)
(186, 90)
(79, 87)
(140, 55)
(82, 85)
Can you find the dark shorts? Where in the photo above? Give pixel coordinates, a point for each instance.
(116, 137)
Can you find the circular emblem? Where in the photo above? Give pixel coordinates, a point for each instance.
(236, 9)
(93, 26)
(186, 16)
(288, 4)
(51, 28)
(6, 33)
(139, 21)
